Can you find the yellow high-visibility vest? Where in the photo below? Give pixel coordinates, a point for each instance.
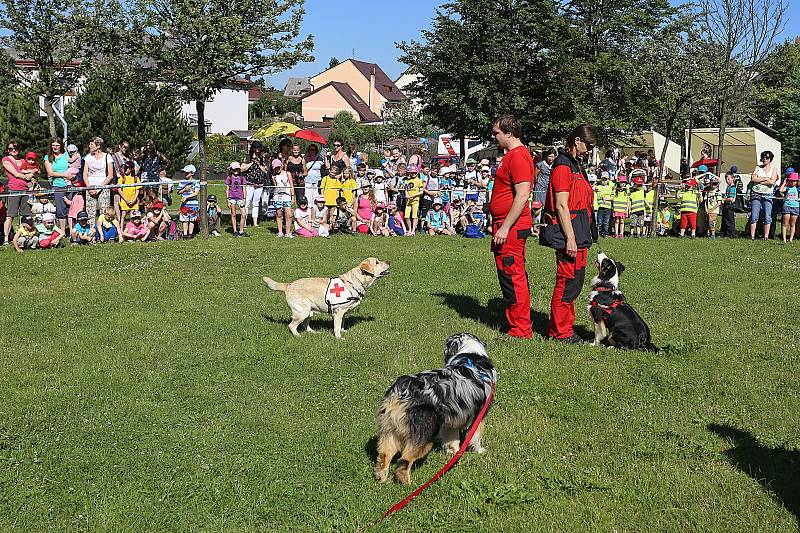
(637, 200)
(688, 200)
(649, 199)
(604, 195)
(620, 201)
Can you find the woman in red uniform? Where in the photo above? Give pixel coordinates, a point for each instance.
(511, 223)
(570, 229)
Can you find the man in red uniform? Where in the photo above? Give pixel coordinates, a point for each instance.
(511, 223)
(570, 229)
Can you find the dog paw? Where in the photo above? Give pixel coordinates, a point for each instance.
(381, 475)
(594, 343)
(403, 477)
(451, 447)
(477, 449)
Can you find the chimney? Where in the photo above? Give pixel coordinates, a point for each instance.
(371, 87)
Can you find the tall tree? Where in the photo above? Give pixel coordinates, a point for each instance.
(114, 106)
(20, 120)
(198, 47)
(59, 42)
(744, 33)
(483, 58)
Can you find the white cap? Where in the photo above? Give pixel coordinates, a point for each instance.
(604, 175)
(444, 170)
(72, 148)
(486, 169)
(189, 168)
(452, 168)
(379, 173)
(48, 217)
(234, 165)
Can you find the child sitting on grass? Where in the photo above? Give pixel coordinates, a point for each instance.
(82, 232)
(302, 219)
(135, 230)
(26, 237)
(397, 225)
(474, 220)
(437, 220)
(158, 221)
(343, 218)
(319, 217)
(107, 228)
(379, 223)
(663, 219)
(49, 234)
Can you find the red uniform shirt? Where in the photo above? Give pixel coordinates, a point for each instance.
(517, 167)
(565, 171)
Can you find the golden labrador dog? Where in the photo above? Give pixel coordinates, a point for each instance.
(334, 296)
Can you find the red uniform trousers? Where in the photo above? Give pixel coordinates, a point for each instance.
(510, 262)
(570, 274)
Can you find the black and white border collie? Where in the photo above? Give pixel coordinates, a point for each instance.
(435, 405)
(615, 321)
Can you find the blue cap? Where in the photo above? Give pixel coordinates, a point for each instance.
(734, 169)
(790, 170)
(702, 168)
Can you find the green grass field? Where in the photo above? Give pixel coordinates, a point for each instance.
(156, 388)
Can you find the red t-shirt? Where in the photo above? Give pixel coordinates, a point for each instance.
(14, 183)
(561, 178)
(517, 167)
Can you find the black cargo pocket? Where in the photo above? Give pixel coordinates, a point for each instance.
(506, 282)
(573, 286)
(524, 233)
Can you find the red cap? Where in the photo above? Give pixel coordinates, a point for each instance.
(536, 204)
(158, 205)
(638, 180)
(31, 155)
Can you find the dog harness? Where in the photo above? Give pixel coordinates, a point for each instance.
(339, 293)
(606, 310)
(486, 378)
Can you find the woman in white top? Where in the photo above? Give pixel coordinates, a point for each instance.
(283, 197)
(763, 180)
(98, 169)
(314, 164)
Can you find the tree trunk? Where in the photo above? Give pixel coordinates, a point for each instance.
(201, 142)
(51, 122)
(462, 145)
(723, 119)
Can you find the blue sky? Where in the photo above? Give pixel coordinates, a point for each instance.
(373, 28)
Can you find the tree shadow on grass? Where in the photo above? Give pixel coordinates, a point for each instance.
(777, 470)
(493, 314)
(320, 323)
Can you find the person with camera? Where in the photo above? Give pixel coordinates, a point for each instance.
(570, 229)
(512, 222)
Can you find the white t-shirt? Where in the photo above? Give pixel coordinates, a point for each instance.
(482, 192)
(283, 185)
(304, 215)
(314, 171)
(97, 172)
(474, 175)
(380, 191)
(317, 215)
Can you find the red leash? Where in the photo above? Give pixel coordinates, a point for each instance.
(399, 505)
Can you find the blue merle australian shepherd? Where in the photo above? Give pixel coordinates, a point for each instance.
(434, 406)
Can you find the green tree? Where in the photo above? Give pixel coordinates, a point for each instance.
(197, 47)
(404, 121)
(483, 58)
(20, 120)
(333, 62)
(115, 106)
(56, 37)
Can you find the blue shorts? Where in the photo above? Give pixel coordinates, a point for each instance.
(109, 234)
(795, 211)
(282, 203)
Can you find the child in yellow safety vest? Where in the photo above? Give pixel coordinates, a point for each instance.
(621, 206)
(637, 202)
(649, 202)
(603, 196)
(689, 199)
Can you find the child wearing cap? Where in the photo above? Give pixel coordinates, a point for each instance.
(189, 189)
(234, 191)
(75, 204)
(637, 202)
(790, 189)
(302, 219)
(82, 231)
(413, 189)
(319, 216)
(482, 183)
(49, 234)
(458, 220)
(342, 217)
(621, 205)
(536, 213)
(689, 199)
(158, 221)
(135, 229)
(379, 187)
(282, 198)
(212, 208)
(30, 167)
(73, 161)
(437, 220)
(107, 226)
(26, 236)
(379, 223)
(397, 226)
(474, 218)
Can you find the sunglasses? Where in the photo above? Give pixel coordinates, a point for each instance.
(12, 149)
(337, 145)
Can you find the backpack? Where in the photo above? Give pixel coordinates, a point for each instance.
(473, 231)
(739, 204)
(172, 231)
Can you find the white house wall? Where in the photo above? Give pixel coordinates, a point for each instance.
(226, 111)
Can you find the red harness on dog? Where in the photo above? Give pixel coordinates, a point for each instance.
(606, 309)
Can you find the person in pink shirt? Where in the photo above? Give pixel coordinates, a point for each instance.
(135, 230)
(364, 206)
(75, 205)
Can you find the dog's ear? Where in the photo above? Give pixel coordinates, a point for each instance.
(620, 268)
(367, 265)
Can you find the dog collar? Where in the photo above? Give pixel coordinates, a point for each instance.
(603, 288)
(481, 374)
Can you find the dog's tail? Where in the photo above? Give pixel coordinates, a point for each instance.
(650, 347)
(274, 285)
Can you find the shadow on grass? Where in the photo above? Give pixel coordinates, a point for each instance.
(320, 323)
(493, 314)
(777, 470)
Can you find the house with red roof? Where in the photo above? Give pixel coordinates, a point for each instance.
(360, 88)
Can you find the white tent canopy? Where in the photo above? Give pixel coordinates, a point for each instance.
(742, 147)
(652, 140)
